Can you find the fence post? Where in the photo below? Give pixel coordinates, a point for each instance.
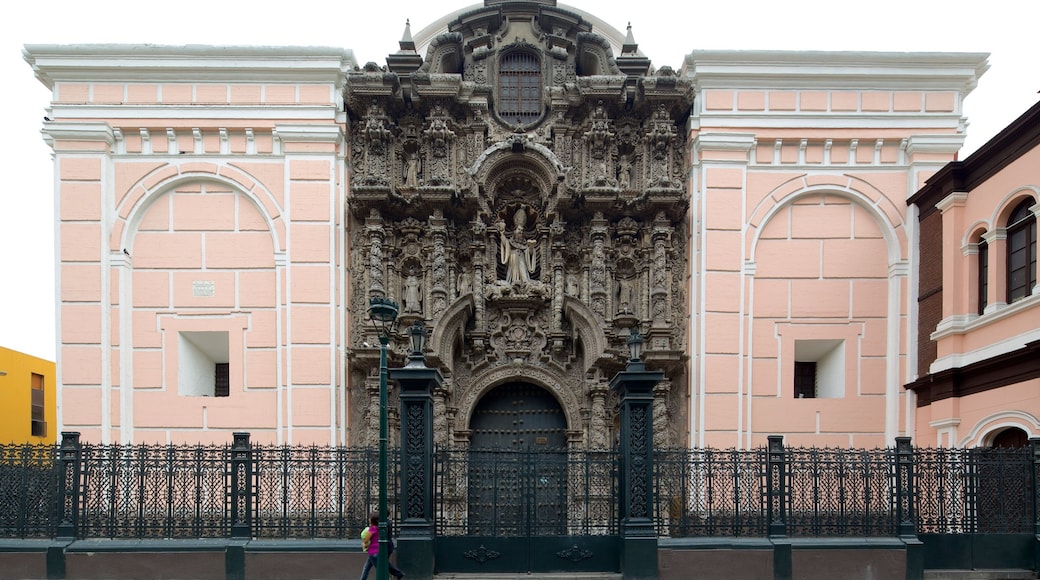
(241, 487)
(776, 507)
(1034, 445)
(70, 461)
(418, 382)
(905, 494)
(906, 499)
(634, 387)
(776, 486)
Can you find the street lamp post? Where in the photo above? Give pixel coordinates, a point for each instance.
(383, 313)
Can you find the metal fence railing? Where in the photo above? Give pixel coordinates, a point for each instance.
(526, 493)
(83, 490)
(28, 491)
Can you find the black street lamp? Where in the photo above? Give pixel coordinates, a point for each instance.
(383, 313)
(635, 350)
(417, 334)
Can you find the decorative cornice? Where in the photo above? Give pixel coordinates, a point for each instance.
(934, 144)
(252, 114)
(1014, 367)
(1019, 138)
(725, 142)
(142, 63)
(954, 71)
(88, 131)
(309, 133)
(955, 199)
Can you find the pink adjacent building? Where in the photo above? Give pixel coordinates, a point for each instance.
(225, 213)
(978, 379)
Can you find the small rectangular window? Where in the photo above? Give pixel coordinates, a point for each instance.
(805, 380)
(222, 384)
(39, 412)
(201, 356)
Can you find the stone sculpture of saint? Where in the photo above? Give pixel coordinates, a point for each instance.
(411, 169)
(517, 254)
(410, 296)
(625, 175)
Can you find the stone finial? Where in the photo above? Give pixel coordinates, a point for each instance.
(630, 47)
(407, 44)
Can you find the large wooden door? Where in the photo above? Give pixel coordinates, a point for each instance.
(521, 482)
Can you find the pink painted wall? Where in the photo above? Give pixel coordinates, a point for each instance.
(175, 226)
(804, 238)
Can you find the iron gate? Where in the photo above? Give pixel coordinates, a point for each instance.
(506, 511)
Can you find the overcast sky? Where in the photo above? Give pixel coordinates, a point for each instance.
(666, 30)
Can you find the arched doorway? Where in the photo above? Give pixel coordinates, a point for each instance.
(1010, 437)
(518, 463)
(1004, 472)
(518, 416)
(531, 505)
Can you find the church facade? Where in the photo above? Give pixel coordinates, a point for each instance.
(530, 189)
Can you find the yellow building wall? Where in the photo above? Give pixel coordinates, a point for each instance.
(16, 371)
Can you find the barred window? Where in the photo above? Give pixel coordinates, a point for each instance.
(805, 379)
(1021, 248)
(222, 381)
(519, 88)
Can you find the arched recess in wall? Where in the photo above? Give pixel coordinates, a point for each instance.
(824, 267)
(140, 199)
(859, 193)
(985, 429)
(198, 293)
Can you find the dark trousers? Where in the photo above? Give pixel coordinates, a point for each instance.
(371, 562)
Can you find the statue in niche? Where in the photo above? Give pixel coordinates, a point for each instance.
(464, 283)
(410, 297)
(625, 174)
(572, 285)
(411, 169)
(625, 297)
(517, 253)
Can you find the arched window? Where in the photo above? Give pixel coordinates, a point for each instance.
(983, 285)
(519, 88)
(1021, 252)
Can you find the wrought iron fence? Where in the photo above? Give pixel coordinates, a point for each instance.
(984, 490)
(28, 491)
(841, 492)
(318, 492)
(710, 492)
(525, 493)
(148, 491)
(153, 491)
